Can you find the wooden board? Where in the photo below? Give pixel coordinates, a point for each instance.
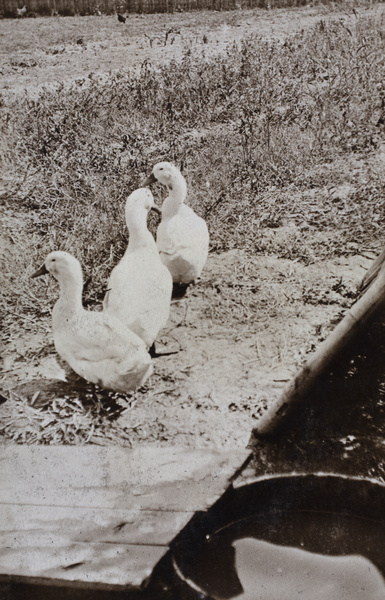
(145, 478)
(43, 524)
(98, 514)
(93, 563)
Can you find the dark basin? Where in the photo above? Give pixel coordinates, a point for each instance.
(329, 515)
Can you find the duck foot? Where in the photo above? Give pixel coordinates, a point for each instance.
(179, 290)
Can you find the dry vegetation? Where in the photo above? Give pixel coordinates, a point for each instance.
(282, 144)
(107, 7)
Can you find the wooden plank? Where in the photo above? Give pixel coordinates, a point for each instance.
(23, 525)
(116, 564)
(101, 515)
(367, 307)
(372, 272)
(82, 544)
(89, 476)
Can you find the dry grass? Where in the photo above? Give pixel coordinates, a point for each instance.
(281, 147)
(73, 413)
(261, 132)
(107, 7)
(259, 126)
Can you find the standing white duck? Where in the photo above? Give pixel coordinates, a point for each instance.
(182, 236)
(140, 286)
(97, 347)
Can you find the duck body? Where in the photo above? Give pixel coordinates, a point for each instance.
(182, 236)
(138, 296)
(140, 286)
(97, 347)
(183, 244)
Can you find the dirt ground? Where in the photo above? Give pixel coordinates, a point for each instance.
(239, 335)
(226, 368)
(45, 51)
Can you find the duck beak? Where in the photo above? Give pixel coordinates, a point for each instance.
(157, 210)
(42, 271)
(149, 180)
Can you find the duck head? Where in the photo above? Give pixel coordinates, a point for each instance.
(140, 202)
(61, 265)
(168, 175)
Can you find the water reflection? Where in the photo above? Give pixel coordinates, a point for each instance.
(271, 572)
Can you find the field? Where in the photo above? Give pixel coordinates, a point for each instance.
(278, 120)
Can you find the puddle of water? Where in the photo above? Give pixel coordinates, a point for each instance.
(286, 555)
(271, 572)
(314, 537)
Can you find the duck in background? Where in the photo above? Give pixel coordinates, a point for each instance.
(140, 286)
(182, 236)
(96, 346)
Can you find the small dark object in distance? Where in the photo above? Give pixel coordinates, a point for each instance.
(21, 12)
(121, 19)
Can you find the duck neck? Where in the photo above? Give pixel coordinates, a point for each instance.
(71, 290)
(140, 237)
(177, 192)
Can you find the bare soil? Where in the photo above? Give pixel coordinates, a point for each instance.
(238, 340)
(46, 51)
(239, 334)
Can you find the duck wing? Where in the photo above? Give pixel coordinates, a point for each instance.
(98, 337)
(172, 236)
(182, 231)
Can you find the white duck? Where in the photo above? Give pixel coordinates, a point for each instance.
(140, 286)
(97, 347)
(182, 236)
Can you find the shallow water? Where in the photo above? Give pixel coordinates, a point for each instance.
(322, 556)
(271, 572)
